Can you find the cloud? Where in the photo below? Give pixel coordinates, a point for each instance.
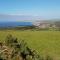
(5, 17)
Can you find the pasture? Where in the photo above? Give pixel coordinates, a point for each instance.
(44, 42)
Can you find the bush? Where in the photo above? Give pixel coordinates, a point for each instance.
(48, 57)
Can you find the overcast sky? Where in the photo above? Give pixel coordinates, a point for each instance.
(44, 9)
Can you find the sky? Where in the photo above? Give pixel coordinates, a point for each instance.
(44, 9)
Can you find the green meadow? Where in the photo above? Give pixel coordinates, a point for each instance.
(44, 42)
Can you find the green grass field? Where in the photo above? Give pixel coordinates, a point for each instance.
(45, 42)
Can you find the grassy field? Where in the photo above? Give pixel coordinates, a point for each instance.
(45, 42)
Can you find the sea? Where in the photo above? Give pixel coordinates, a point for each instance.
(15, 24)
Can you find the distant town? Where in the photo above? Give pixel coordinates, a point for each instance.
(47, 24)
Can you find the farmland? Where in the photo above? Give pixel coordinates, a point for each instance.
(44, 42)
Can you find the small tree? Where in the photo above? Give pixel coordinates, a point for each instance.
(11, 41)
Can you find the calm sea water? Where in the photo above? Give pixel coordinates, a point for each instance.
(14, 24)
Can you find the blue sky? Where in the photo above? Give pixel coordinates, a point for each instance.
(47, 9)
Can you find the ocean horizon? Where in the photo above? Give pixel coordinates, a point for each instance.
(14, 24)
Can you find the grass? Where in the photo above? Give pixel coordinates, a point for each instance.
(45, 42)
